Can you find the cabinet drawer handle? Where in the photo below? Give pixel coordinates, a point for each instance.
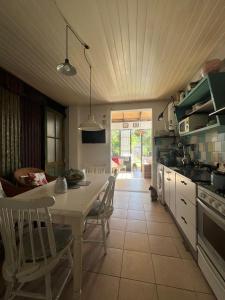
(168, 172)
(183, 201)
(168, 179)
(183, 218)
(185, 183)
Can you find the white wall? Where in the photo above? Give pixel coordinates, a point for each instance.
(81, 155)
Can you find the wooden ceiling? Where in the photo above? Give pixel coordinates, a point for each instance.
(131, 116)
(140, 49)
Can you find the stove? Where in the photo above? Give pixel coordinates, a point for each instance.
(211, 236)
(212, 197)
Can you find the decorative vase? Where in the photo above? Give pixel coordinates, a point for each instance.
(61, 185)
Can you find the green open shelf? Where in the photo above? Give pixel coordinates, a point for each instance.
(197, 94)
(210, 87)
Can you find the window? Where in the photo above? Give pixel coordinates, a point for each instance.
(55, 143)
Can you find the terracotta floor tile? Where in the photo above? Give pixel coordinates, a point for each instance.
(136, 242)
(168, 293)
(135, 205)
(136, 226)
(136, 215)
(99, 287)
(136, 290)
(174, 231)
(109, 264)
(116, 239)
(173, 272)
(120, 204)
(163, 245)
(154, 207)
(199, 282)
(157, 228)
(183, 252)
(137, 266)
(159, 217)
(201, 296)
(117, 223)
(119, 213)
(140, 196)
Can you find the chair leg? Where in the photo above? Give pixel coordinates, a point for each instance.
(8, 291)
(48, 288)
(108, 228)
(85, 226)
(70, 257)
(104, 235)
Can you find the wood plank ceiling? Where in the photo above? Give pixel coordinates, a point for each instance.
(140, 49)
(131, 116)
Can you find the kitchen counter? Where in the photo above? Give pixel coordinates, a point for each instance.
(196, 174)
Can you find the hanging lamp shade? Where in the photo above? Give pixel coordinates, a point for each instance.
(66, 68)
(90, 125)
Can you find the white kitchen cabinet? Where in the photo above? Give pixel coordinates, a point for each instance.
(186, 187)
(186, 207)
(170, 189)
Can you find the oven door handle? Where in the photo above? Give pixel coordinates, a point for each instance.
(212, 213)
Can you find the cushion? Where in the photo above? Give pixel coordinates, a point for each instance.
(63, 236)
(37, 179)
(25, 179)
(2, 193)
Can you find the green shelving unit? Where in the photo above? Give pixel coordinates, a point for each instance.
(210, 87)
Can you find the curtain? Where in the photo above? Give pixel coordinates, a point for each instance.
(10, 127)
(32, 134)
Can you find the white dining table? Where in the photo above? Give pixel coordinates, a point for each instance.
(71, 208)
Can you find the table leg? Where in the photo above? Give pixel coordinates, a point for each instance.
(77, 229)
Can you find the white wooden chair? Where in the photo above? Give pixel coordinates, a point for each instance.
(102, 211)
(95, 170)
(33, 246)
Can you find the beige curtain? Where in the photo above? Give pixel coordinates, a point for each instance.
(10, 128)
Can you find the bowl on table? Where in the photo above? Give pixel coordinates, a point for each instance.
(73, 176)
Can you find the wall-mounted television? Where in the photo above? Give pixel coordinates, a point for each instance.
(93, 137)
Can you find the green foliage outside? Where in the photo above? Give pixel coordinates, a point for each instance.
(137, 136)
(115, 138)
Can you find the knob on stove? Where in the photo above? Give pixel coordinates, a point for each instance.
(216, 204)
(211, 201)
(222, 209)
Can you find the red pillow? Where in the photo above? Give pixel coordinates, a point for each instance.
(37, 179)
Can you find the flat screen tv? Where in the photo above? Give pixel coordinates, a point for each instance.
(93, 137)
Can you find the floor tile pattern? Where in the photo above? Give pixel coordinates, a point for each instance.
(146, 257)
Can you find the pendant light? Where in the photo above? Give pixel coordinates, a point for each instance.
(90, 124)
(66, 68)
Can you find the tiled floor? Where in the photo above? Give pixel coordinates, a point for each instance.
(146, 257)
(126, 183)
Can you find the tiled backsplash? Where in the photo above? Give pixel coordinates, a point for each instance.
(209, 147)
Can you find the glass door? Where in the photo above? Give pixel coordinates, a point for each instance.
(55, 164)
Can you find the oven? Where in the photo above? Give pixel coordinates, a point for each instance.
(211, 240)
(211, 235)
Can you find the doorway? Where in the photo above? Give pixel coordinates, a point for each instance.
(131, 148)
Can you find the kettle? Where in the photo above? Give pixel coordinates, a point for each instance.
(186, 160)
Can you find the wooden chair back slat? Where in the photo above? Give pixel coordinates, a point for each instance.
(19, 217)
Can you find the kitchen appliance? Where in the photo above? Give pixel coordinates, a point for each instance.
(211, 237)
(193, 122)
(186, 159)
(218, 180)
(172, 119)
(160, 183)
